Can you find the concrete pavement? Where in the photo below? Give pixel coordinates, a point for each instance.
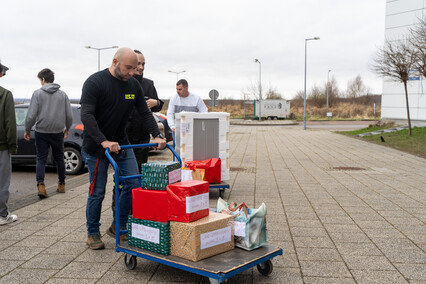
(343, 210)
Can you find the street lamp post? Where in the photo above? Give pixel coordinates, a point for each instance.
(304, 98)
(177, 73)
(328, 74)
(260, 88)
(99, 52)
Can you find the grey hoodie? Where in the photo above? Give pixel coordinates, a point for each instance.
(50, 110)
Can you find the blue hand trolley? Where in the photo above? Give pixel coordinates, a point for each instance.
(217, 268)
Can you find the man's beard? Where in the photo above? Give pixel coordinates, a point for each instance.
(120, 75)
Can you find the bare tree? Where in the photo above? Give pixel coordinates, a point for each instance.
(356, 88)
(394, 61)
(272, 94)
(418, 42)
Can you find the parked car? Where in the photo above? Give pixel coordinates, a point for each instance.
(163, 126)
(72, 144)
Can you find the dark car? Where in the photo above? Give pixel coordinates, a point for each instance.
(72, 144)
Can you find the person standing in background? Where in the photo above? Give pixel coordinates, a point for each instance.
(8, 146)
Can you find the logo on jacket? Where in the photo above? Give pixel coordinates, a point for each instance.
(129, 96)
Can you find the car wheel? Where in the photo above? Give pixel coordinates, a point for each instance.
(73, 161)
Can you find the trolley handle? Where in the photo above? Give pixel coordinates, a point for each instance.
(109, 157)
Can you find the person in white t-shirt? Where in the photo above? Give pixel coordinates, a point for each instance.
(183, 101)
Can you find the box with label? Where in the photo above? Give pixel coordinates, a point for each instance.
(150, 205)
(149, 235)
(157, 175)
(188, 200)
(203, 238)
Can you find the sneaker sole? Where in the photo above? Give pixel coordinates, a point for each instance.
(41, 195)
(96, 248)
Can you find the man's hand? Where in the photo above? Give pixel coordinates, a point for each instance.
(151, 103)
(161, 143)
(27, 136)
(173, 129)
(66, 133)
(113, 146)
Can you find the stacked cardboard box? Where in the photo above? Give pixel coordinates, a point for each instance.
(157, 175)
(203, 238)
(149, 235)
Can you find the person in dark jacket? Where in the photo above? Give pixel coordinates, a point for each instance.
(137, 133)
(8, 146)
(107, 99)
(50, 111)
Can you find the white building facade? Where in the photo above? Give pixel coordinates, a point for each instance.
(400, 16)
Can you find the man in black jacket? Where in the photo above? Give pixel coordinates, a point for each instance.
(107, 99)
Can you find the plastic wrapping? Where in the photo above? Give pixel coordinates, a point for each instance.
(249, 224)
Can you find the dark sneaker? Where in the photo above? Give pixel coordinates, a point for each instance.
(111, 232)
(42, 193)
(8, 219)
(95, 242)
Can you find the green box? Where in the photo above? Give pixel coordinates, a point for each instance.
(149, 235)
(157, 175)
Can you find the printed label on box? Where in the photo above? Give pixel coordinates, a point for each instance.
(197, 202)
(184, 127)
(215, 238)
(146, 233)
(174, 176)
(239, 229)
(186, 175)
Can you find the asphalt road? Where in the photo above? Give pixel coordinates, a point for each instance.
(23, 181)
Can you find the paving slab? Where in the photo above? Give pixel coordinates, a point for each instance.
(343, 210)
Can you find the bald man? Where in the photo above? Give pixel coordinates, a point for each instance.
(107, 99)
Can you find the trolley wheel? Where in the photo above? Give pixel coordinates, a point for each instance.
(221, 192)
(215, 281)
(265, 268)
(130, 261)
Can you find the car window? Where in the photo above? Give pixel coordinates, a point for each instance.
(76, 115)
(20, 114)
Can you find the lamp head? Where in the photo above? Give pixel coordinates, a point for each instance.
(87, 46)
(256, 60)
(316, 38)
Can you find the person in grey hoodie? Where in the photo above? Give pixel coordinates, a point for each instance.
(50, 111)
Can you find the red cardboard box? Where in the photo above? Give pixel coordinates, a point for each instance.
(188, 200)
(211, 166)
(150, 205)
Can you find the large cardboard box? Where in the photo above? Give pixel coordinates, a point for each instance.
(203, 238)
(150, 205)
(188, 200)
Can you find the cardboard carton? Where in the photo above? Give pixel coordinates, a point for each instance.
(203, 238)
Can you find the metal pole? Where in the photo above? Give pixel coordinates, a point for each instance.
(99, 59)
(304, 97)
(260, 91)
(327, 88)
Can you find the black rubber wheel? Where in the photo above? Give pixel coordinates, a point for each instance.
(265, 268)
(73, 161)
(130, 261)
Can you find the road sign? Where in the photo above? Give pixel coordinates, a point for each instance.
(413, 78)
(214, 94)
(211, 102)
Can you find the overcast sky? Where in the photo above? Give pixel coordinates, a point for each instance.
(216, 42)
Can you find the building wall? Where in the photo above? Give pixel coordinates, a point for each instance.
(400, 16)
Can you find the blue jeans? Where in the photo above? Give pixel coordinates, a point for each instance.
(127, 166)
(42, 143)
